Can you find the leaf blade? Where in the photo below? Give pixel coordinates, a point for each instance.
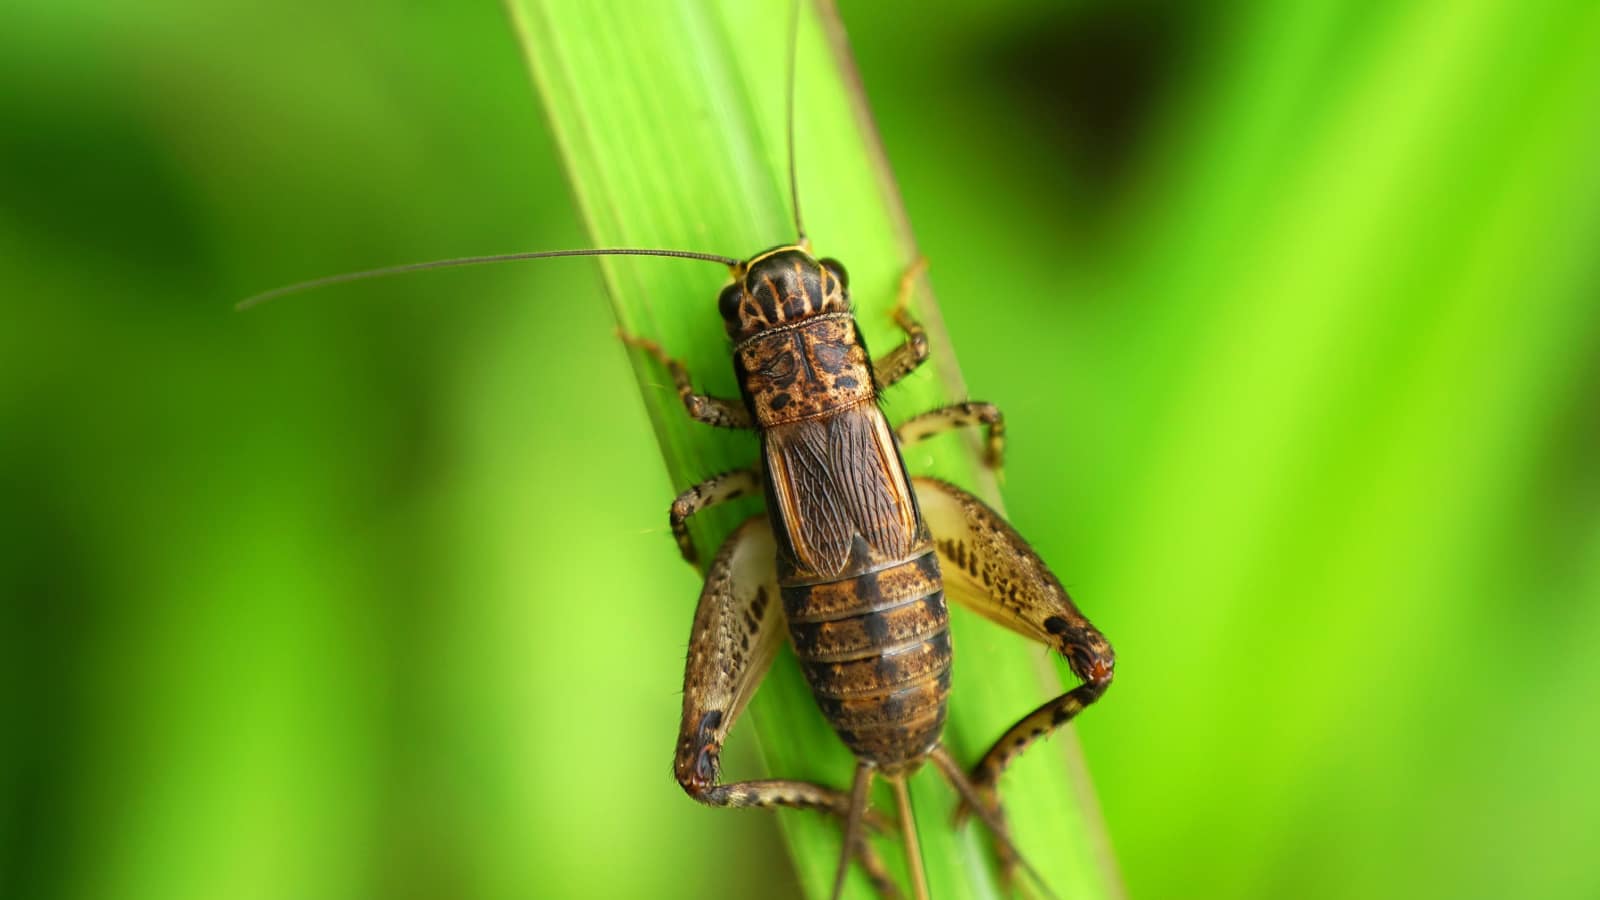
(670, 119)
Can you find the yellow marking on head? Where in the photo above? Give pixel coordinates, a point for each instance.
(749, 310)
(777, 299)
(805, 298)
(775, 251)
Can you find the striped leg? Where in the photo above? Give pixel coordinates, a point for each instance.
(714, 490)
(990, 569)
(904, 359)
(738, 628)
(959, 415)
(718, 412)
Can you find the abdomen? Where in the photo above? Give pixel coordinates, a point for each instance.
(875, 647)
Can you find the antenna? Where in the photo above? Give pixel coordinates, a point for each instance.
(314, 283)
(794, 183)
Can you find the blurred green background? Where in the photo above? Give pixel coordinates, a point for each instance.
(1294, 310)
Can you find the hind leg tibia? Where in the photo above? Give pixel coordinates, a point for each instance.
(738, 627)
(991, 570)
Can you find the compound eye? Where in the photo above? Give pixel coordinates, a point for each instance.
(836, 269)
(728, 302)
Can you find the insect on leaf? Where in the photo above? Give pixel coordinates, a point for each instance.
(670, 117)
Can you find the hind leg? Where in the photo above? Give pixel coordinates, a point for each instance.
(990, 569)
(738, 627)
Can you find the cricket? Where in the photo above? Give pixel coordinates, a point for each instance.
(853, 562)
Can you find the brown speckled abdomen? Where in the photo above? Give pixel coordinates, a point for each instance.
(875, 648)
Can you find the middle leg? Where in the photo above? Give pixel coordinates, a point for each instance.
(959, 415)
(714, 490)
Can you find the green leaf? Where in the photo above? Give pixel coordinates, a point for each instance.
(670, 118)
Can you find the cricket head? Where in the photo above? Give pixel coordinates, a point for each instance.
(781, 286)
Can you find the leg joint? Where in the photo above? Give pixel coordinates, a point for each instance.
(917, 340)
(682, 508)
(698, 763)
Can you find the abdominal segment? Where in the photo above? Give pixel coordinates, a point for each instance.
(875, 648)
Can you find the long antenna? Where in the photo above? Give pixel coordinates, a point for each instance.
(794, 183)
(314, 283)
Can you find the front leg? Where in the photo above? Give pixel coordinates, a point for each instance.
(959, 415)
(904, 359)
(717, 412)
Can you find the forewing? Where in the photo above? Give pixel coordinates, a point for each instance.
(836, 477)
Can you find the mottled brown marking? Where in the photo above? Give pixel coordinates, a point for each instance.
(857, 569)
(877, 675)
(818, 363)
(865, 634)
(876, 651)
(902, 583)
